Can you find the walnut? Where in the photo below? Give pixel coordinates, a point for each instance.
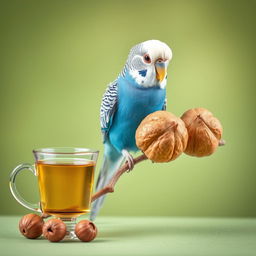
(31, 226)
(204, 131)
(162, 136)
(86, 230)
(54, 230)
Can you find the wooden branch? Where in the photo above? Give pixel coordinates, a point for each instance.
(110, 187)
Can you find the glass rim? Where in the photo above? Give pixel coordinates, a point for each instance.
(65, 150)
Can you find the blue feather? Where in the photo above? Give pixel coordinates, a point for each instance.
(137, 102)
(112, 161)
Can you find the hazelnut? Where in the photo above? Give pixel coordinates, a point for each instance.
(86, 230)
(31, 226)
(54, 230)
(204, 131)
(162, 136)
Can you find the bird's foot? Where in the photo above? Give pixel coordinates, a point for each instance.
(129, 159)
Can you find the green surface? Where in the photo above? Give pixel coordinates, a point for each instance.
(143, 236)
(57, 58)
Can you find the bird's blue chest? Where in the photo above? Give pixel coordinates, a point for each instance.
(134, 104)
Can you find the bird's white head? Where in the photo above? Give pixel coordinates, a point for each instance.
(147, 63)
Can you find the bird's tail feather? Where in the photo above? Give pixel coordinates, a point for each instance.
(109, 167)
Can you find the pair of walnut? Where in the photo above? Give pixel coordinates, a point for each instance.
(162, 136)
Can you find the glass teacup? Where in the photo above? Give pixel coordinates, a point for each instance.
(65, 180)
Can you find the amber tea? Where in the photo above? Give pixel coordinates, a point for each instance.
(65, 186)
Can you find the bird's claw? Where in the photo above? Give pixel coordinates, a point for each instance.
(129, 159)
(130, 162)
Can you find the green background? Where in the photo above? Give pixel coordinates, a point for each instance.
(57, 58)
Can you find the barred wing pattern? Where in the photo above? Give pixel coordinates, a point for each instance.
(108, 108)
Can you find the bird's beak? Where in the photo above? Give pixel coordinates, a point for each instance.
(161, 70)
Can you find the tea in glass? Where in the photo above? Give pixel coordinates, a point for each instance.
(65, 186)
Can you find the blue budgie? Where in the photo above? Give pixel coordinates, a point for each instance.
(138, 91)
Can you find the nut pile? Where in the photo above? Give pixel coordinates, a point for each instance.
(33, 226)
(162, 136)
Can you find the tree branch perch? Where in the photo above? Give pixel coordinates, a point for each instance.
(110, 187)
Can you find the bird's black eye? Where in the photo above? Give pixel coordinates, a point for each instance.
(147, 58)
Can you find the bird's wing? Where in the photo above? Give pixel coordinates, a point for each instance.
(165, 104)
(108, 108)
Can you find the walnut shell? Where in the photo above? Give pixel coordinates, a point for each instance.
(162, 136)
(31, 226)
(86, 230)
(54, 230)
(204, 132)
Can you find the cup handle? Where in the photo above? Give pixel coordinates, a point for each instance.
(13, 188)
